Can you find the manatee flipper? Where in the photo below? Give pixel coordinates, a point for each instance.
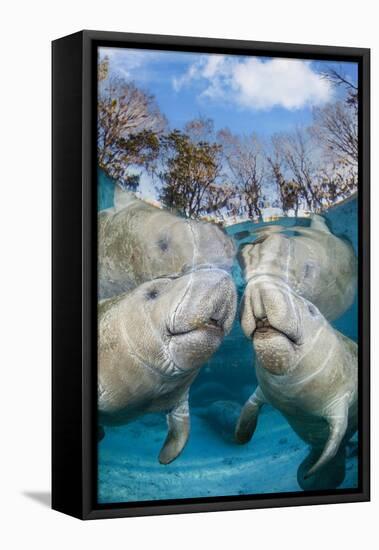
(178, 422)
(319, 223)
(329, 477)
(248, 419)
(337, 419)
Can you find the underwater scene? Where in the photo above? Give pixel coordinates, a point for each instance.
(213, 464)
(227, 276)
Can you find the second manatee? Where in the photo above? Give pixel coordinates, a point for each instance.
(314, 263)
(138, 242)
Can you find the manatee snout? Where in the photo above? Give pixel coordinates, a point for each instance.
(202, 314)
(205, 298)
(269, 306)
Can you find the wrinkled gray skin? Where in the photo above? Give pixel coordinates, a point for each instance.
(306, 370)
(152, 343)
(316, 265)
(139, 242)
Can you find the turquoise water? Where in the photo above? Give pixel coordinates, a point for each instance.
(105, 190)
(212, 464)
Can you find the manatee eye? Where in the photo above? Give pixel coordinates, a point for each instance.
(308, 269)
(163, 244)
(152, 294)
(312, 310)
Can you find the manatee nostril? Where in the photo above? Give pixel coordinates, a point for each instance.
(261, 323)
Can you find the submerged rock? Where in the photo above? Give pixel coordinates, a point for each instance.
(222, 416)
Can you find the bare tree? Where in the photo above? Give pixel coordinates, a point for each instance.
(103, 68)
(247, 164)
(336, 124)
(338, 78)
(128, 123)
(200, 129)
(337, 183)
(336, 129)
(297, 154)
(288, 190)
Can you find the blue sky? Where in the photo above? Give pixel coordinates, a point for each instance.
(246, 94)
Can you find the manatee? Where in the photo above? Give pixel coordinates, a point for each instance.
(138, 242)
(316, 264)
(309, 372)
(153, 341)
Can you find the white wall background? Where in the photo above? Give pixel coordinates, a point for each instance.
(27, 29)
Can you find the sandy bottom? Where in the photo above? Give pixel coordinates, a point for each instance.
(211, 464)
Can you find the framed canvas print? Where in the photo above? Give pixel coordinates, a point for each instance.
(210, 274)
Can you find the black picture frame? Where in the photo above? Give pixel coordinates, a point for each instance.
(74, 441)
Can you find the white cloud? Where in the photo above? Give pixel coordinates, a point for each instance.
(194, 71)
(288, 83)
(124, 62)
(258, 84)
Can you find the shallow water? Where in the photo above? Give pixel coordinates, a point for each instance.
(211, 464)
